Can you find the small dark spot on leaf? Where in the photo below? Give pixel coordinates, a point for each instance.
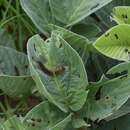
(43, 36)
(124, 16)
(18, 115)
(98, 94)
(129, 55)
(96, 121)
(57, 71)
(16, 71)
(94, 16)
(44, 69)
(33, 119)
(33, 124)
(33, 57)
(34, 47)
(39, 120)
(106, 97)
(74, 115)
(126, 50)
(26, 66)
(116, 36)
(101, 123)
(95, 6)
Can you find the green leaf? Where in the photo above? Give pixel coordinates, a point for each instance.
(46, 116)
(125, 109)
(71, 12)
(73, 39)
(122, 70)
(105, 98)
(15, 79)
(87, 30)
(40, 13)
(58, 72)
(121, 14)
(115, 43)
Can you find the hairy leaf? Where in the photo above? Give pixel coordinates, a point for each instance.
(58, 72)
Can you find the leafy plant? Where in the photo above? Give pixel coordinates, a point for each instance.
(58, 68)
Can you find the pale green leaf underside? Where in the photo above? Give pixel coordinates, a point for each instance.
(115, 43)
(121, 14)
(71, 12)
(67, 89)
